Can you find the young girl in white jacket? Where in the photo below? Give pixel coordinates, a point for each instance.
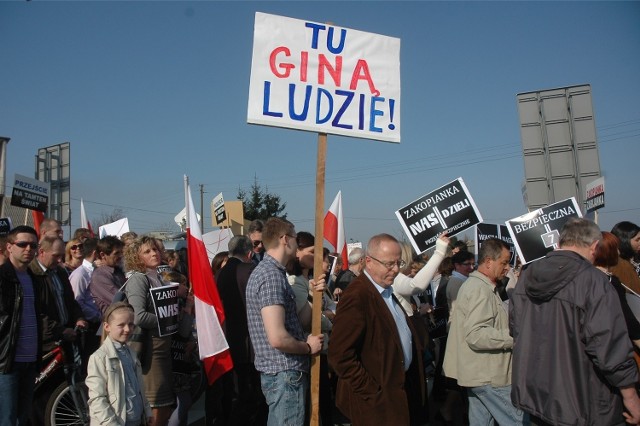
(114, 374)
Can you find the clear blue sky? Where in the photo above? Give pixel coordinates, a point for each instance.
(148, 91)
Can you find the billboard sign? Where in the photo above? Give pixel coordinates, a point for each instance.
(559, 144)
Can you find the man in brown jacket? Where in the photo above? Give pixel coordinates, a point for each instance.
(372, 347)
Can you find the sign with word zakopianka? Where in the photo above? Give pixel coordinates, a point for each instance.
(165, 305)
(30, 194)
(449, 209)
(218, 209)
(594, 197)
(324, 78)
(538, 232)
(485, 231)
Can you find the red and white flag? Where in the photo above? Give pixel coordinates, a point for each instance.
(334, 229)
(213, 346)
(84, 222)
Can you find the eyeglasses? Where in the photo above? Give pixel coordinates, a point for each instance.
(256, 243)
(25, 244)
(389, 265)
(469, 264)
(76, 247)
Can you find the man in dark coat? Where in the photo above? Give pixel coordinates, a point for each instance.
(236, 398)
(20, 329)
(373, 346)
(61, 312)
(572, 357)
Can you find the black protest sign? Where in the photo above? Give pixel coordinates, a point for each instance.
(484, 231)
(5, 225)
(449, 209)
(30, 194)
(537, 233)
(165, 305)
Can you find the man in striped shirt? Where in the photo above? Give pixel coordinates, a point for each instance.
(20, 332)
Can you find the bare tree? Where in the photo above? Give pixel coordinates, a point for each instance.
(105, 218)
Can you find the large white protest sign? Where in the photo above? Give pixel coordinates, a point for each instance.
(537, 233)
(116, 228)
(449, 209)
(217, 241)
(323, 78)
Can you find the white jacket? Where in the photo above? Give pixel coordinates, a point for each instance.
(106, 383)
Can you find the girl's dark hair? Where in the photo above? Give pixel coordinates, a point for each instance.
(305, 239)
(625, 231)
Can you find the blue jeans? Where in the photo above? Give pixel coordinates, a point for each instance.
(16, 390)
(488, 403)
(285, 393)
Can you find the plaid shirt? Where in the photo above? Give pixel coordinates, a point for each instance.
(268, 286)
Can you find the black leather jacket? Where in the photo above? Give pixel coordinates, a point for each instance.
(10, 309)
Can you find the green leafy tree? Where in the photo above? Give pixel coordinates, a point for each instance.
(259, 203)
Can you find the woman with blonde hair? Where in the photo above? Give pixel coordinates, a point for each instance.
(73, 255)
(142, 258)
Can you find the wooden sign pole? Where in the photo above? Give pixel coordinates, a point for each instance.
(318, 273)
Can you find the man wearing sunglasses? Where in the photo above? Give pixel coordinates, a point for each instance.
(372, 348)
(255, 234)
(20, 330)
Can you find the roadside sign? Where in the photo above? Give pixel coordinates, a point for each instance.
(218, 209)
(594, 195)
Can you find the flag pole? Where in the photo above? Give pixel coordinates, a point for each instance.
(186, 198)
(317, 273)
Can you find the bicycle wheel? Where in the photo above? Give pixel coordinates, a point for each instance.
(198, 382)
(61, 409)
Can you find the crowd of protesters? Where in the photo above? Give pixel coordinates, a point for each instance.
(451, 338)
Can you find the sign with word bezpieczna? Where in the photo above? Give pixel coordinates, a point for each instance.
(165, 305)
(30, 194)
(594, 195)
(538, 232)
(449, 209)
(325, 79)
(485, 231)
(218, 209)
